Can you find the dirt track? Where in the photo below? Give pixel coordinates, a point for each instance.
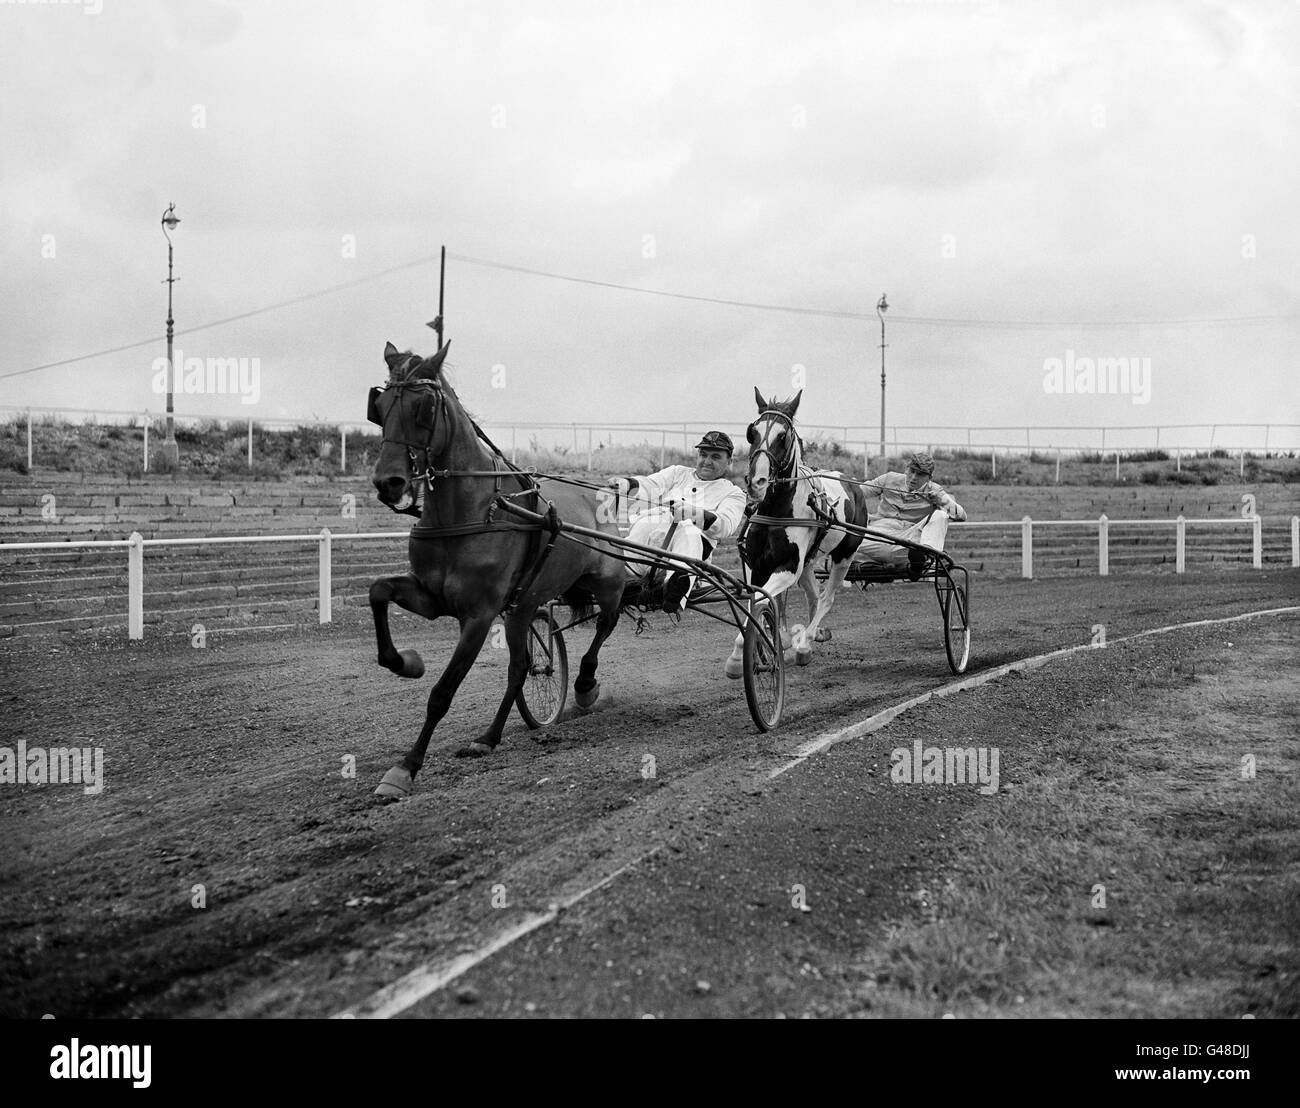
(223, 769)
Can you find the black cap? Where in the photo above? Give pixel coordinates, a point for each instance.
(716, 440)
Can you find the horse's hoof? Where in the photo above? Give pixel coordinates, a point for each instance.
(802, 657)
(734, 668)
(823, 635)
(396, 785)
(588, 698)
(473, 750)
(412, 664)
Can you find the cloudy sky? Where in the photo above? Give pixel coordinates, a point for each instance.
(1027, 181)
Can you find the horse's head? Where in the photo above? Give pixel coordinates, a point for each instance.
(774, 447)
(412, 408)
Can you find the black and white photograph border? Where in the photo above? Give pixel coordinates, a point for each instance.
(726, 510)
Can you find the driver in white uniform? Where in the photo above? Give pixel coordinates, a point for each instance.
(703, 501)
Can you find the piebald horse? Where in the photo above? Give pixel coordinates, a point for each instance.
(470, 559)
(779, 555)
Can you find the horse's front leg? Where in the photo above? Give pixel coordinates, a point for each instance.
(406, 592)
(776, 586)
(473, 632)
(802, 635)
(839, 570)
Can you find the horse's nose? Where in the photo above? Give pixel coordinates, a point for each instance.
(390, 488)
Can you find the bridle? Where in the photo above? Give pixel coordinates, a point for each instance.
(430, 411)
(426, 419)
(779, 467)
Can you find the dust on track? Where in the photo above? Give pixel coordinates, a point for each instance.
(224, 769)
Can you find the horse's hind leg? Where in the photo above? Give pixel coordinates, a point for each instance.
(473, 631)
(517, 627)
(586, 689)
(406, 592)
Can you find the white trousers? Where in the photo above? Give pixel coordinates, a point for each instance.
(651, 529)
(931, 532)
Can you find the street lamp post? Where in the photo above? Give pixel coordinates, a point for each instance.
(170, 449)
(881, 308)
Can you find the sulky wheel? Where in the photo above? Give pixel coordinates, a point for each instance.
(546, 680)
(764, 666)
(956, 626)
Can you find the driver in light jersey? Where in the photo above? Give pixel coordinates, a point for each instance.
(914, 508)
(706, 505)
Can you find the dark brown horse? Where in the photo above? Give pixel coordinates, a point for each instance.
(470, 559)
(778, 556)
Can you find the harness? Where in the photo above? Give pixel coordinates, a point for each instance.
(818, 501)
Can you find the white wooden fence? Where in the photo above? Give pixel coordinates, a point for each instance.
(325, 541)
(1103, 525)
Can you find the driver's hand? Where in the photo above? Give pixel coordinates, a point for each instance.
(683, 511)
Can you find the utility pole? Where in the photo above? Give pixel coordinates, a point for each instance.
(881, 308)
(170, 449)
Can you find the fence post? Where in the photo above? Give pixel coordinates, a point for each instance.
(514, 452)
(250, 444)
(1027, 548)
(326, 604)
(1295, 542)
(663, 446)
(1180, 543)
(146, 442)
(588, 449)
(1058, 467)
(29, 440)
(1103, 546)
(1257, 542)
(993, 454)
(1241, 462)
(343, 449)
(1178, 459)
(135, 587)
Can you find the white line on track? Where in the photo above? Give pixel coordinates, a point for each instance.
(888, 715)
(406, 991)
(409, 990)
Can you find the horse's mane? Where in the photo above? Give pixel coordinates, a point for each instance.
(404, 371)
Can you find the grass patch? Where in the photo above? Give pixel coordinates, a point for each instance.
(1129, 869)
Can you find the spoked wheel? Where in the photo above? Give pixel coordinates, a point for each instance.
(546, 680)
(956, 625)
(764, 667)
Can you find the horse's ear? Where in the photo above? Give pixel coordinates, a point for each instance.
(794, 404)
(391, 355)
(758, 396)
(430, 366)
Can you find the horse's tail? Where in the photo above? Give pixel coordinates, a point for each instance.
(581, 603)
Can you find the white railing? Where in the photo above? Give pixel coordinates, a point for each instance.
(325, 540)
(1104, 523)
(135, 562)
